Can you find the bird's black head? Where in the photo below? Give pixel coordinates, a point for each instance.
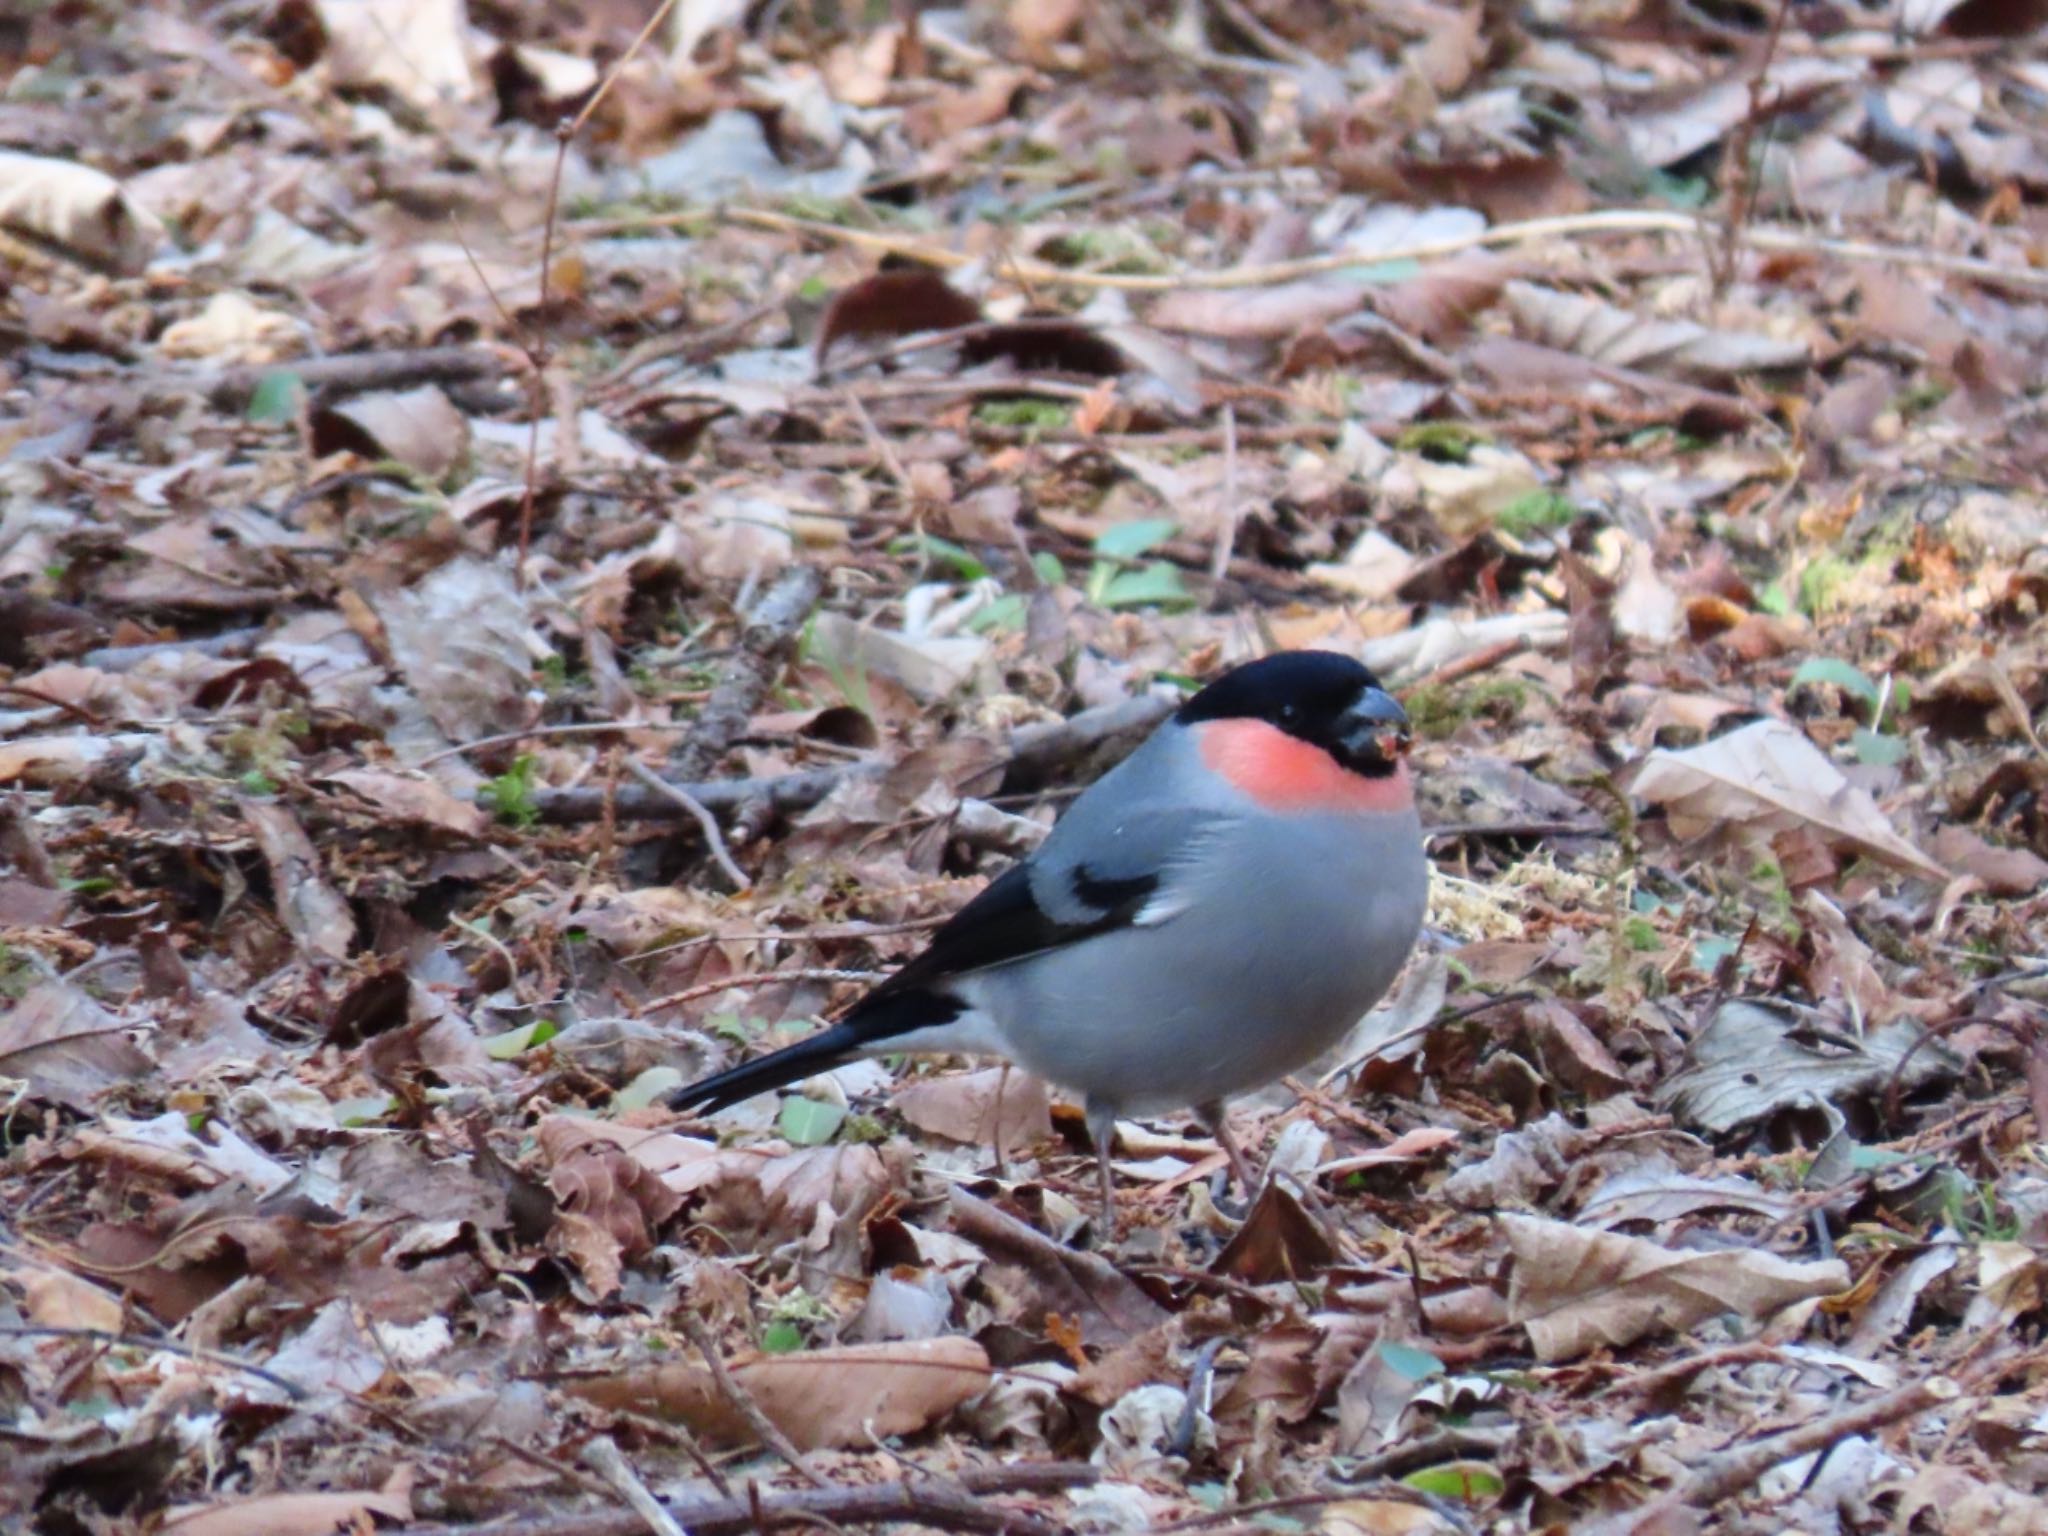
(1319, 697)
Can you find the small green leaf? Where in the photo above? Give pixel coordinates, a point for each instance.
(1875, 749)
(1154, 583)
(363, 1111)
(738, 1028)
(1447, 442)
(1407, 1360)
(940, 552)
(509, 796)
(782, 1338)
(1006, 612)
(808, 1122)
(651, 1086)
(1127, 541)
(513, 1042)
(1466, 1481)
(275, 399)
(1536, 512)
(1837, 673)
(1049, 569)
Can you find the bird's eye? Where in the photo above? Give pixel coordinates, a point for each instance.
(1290, 712)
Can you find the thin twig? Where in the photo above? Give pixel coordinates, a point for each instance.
(766, 979)
(291, 1389)
(1226, 535)
(603, 1457)
(536, 732)
(1742, 205)
(742, 1401)
(1035, 751)
(883, 452)
(714, 838)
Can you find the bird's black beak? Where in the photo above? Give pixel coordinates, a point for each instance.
(1374, 726)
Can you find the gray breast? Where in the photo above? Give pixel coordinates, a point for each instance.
(1290, 937)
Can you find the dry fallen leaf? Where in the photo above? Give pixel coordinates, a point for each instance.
(1751, 1060)
(997, 1107)
(78, 210)
(1765, 778)
(66, 1046)
(419, 428)
(402, 797)
(1576, 1290)
(849, 1395)
(310, 908)
(295, 1514)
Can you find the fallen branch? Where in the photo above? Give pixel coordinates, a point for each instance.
(1732, 1472)
(765, 643)
(354, 371)
(959, 1502)
(1036, 751)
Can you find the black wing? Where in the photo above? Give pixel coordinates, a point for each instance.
(1007, 922)
(1028, 909)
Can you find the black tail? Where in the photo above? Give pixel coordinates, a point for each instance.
(792, 1064)
(874, 1019)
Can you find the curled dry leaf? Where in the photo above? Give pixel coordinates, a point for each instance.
(79, 211)
(1262, 314)
(233, 329)
(418, 428)
(317, 918)
(415, 798)
(56, 1298)
(1768, 778)
(1112, 1308)
(905, 301)
(417, 50)
(609, 1204)
(295, 1514)
(1679, 349)
(1576, 1290)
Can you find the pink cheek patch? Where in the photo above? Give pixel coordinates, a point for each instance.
(1286, 774)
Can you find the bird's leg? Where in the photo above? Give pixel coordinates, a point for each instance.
(1217, 1124)
(1102, 1131)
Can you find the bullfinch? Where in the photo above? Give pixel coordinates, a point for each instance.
(1212, 914)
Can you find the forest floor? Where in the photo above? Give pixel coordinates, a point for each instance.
(872, 424)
